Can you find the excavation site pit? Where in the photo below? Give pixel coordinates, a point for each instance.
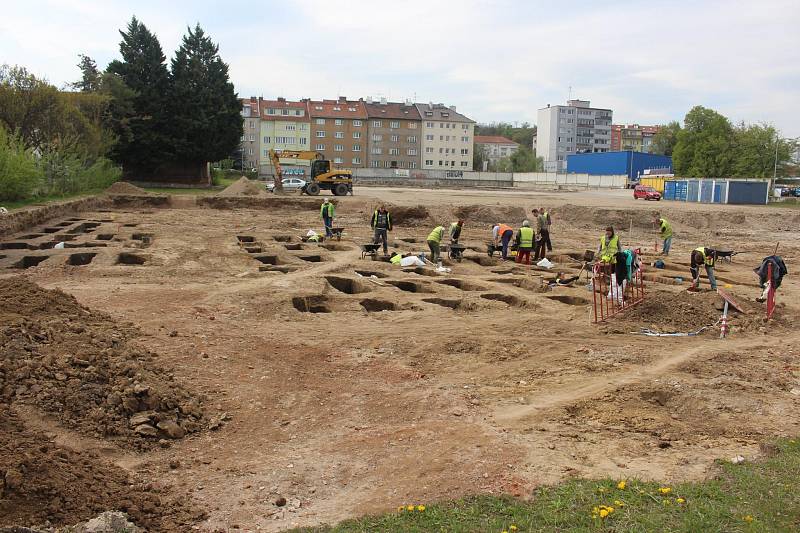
(202, 378)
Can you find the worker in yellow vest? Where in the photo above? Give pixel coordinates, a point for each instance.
(706, 257)
(665, 232)
(525, 237)
(609, 247)
(326, 213)
(434, 242)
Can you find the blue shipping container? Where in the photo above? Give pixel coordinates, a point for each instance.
(628, 163)
(681, 190)
(693, 190)
(669, 190)
(717, 193)
(706, 191)
(748, 192)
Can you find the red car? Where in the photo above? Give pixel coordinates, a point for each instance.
(648, 193)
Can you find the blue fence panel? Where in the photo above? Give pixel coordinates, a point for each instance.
(717, 193)
(692, 190)
(706, 191)
(681, 190)
(747, 192)
(669, 190)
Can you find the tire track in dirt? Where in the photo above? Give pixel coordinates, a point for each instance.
(570, 394)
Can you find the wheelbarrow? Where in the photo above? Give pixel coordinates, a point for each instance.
(337, 232)
(370, 249)
(726, 255)
(455, 251)
(491, 248)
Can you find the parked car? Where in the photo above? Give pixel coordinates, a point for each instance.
(646, 192)
(289, 184)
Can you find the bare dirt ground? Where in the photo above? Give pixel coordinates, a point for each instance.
(348, 386)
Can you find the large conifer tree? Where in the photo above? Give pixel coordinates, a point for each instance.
(207, 121)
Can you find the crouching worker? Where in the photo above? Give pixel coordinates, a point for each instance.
(707, 257)
(435, 241)
(778, 271)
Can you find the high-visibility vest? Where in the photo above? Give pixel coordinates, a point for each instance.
(609, 248)
(436, 234)
(526, 237)
(395, 260)
(504, 228)
(375, 216)
(666, 229)
(707, 258)
(326, 210)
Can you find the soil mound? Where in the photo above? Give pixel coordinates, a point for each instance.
(243, 187)
(406, 215)
(42, 482)
(684, 312)
(123, 187)
(511, 215)
(83, 368)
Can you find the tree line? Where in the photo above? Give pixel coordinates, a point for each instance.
(708, 145)
(524, 159)
(137, 118)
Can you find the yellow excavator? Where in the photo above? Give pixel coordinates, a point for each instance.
(338, 181)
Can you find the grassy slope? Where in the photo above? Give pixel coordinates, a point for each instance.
(760, 496)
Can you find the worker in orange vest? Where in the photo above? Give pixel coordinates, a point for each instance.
(502, 233)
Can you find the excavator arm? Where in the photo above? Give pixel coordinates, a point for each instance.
(274, 157)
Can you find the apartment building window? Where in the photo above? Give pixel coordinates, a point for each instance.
(441, 125)
(411, 151)
(351, 109)
(447, 150)
(395, 138)
(357, 123)
(303, 127)
(284, 140)
(429, 137)
(411, 138)
(464, 151)
(441, 150)
(297, 113)
(356, 135)
(291, 127)
(356, 147)
(266, 153)
(377, 151)
(412, 125)
(318, 107)
(284, 112)
(394, 124)
(412, 164)
(376, 123)
(320, 147)
(390, 164)
(428, 150)
(440, 162)
(250, 151)
(428, 113)
(270, 111)
(243, 138)
(356, 160)
(338, 148)
(377, 137)
(447, 137)
(463, 163)
(429, 162)
(338, 160)
(303, 140)
(465, 139)
(441, 137)
(266, 140)
(338, 122)
(337, 108)
(339, 135)
(252, 137)
(429, 124)
(375, 164)
(252, 124)
(320, 121)
(320, 134)
(394, 151)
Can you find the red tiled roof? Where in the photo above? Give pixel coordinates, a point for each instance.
(493, 139)
(282, 103)
(337, 109)
(392, 110)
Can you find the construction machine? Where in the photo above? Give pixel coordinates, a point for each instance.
(323, 177)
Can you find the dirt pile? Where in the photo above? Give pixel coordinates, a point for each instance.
(683, 311)
(83, 368)
(243, 187)
(42, 482)
(406, 215)
(508, 214)
(122, 187)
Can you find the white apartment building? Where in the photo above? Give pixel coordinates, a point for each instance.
(447, 138)
(568, 129)
(251, 142)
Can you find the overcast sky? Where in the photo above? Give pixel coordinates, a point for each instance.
(649, 61)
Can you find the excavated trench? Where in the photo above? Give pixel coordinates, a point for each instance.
(29, 261)
(462, 284)
(268, 259)
(375, 306)
(105, 236)
(370, 273)
(245, 238)
(311, 304)
(451, 304)
(296, 246)
(80, 259)
(347, 285)
(127, 258)
(409, 286)
(282, 238)
(509, 299)
(569, 300)
(312, 258)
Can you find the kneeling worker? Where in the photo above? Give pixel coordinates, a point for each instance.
(707, 257)
(502, 233)
(778, 271)
(609, 247)
(525, 237)
(434, 242)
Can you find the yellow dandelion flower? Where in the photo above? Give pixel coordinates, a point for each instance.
(420, 508)
(512, 527)
(618, 503)
(595, 509)
(665, 490)
(680, 500)
(748, 518)
(410, 508)
(504, 531)
(622, 484)
(603, 513)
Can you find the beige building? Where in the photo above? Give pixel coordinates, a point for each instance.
(251, 142)
(495, 147)
(339, 131)
(285, 125)
(394, 139)
(446, 137)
